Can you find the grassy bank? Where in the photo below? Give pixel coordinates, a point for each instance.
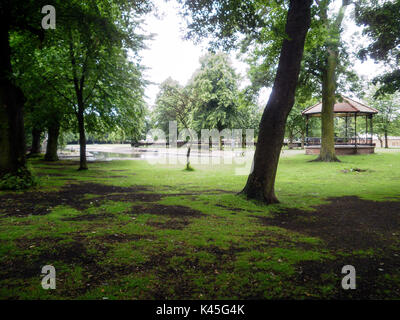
(131, 230)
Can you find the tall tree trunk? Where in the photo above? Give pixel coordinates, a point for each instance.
(36, 133)
(290, 143)
(386, 140)
(327, 151)
(82, 140)
(261, 181)
(78, 86)
(12, 134)
(52, 142)
(188, 157)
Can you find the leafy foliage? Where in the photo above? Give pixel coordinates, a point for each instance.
(211, 100)
(21, 180)
(214, 88)
(387, 121)
(223, 21)
(84, 67)
(265, 50)
(296, 124)
(90, 60)
(173, 103)
(43, 107)
(381, 21)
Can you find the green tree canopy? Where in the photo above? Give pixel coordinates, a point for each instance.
(172, 104)
(381, 21)
(387, 121)
(85, 61)
(215, 93)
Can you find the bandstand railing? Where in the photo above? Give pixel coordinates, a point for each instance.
(315, 141)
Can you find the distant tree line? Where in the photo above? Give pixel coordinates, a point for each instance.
(211, 99)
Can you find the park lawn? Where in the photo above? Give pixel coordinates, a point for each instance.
(132, 230)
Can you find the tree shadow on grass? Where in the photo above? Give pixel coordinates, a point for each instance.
(357, 232)
(346, 223)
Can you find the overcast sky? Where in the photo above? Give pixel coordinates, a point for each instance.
(170, 56)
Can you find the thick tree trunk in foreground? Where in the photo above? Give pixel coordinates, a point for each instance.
(261, 181)
(52, 142)
(12, 135)
(36, 133)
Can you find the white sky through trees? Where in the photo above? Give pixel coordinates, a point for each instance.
(168, 55)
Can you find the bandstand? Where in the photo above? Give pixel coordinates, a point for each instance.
(348, 141)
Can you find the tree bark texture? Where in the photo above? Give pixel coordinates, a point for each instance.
(12, 135)
(36, 134)
(261, 181)
(327, 152)
(82, 140)
(52, 142)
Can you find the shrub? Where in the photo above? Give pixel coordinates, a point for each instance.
(23, 179)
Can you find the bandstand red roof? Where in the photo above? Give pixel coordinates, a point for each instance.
(343, 106)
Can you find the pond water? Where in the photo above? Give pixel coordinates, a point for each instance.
(105, 156)
(108, 152)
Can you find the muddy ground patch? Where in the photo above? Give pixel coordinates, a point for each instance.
(178, 217)
(73, 195)
(375, 276)
(346, 223)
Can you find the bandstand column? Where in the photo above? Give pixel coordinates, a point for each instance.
(306, 130)
(372, 130)
(355, 129)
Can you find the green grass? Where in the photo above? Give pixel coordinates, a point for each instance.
(138, 249)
